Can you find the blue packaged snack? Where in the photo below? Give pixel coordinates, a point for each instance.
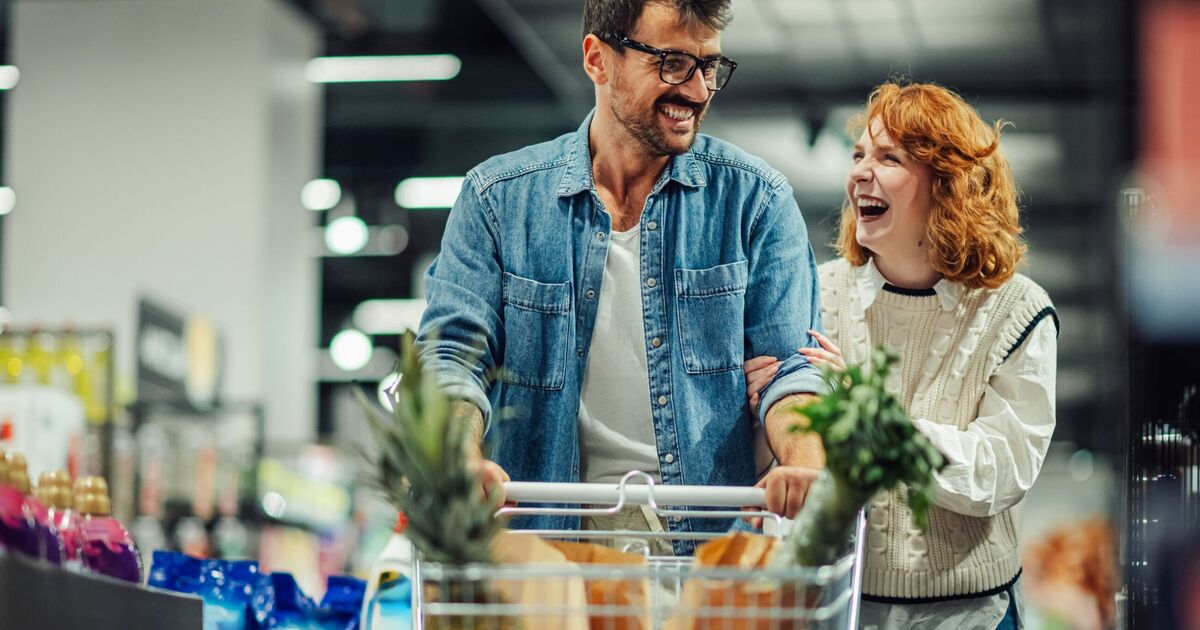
(174, 571)
(342, 603)
(227, 587)
(283, 604)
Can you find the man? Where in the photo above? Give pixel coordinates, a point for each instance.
(620, 274)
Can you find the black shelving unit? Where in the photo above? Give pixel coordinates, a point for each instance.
(36, 595)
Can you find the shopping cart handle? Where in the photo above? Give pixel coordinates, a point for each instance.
(635, 494)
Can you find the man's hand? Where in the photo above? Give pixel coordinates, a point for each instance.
(491, 478)
(786, 488)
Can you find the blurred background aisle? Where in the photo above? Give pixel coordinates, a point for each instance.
(215, 216)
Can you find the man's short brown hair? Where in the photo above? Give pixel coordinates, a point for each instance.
(610, 18)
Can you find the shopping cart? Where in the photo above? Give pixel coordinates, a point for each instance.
(665, 587)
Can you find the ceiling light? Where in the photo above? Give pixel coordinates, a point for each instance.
(351, 350)
(428, 192)
(388, 317)
(8, 200)
(321, 194)
(382, 68)
(9, 77)
(346, 235)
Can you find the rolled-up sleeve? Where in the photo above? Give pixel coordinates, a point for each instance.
(995, 460)
(461, 331)
(782, 297)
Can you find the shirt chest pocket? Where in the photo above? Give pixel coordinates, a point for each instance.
(536, 323)
(709, 307)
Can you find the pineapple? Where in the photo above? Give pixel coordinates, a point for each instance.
(424, 470)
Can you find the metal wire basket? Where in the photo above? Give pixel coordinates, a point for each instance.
(664, 592)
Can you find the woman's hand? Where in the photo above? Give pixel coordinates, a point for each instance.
(759, 372)
(827, 354)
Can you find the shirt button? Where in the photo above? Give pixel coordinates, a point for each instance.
(651, 282)
(591, 294)
(662, 401)
(653, 225)
(579, 352)
(669, 457)
(599, 236)
(656, 342)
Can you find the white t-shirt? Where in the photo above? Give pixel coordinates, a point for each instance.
(616, 428)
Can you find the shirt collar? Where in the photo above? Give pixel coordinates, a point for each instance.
(869, 282)
(578, 176)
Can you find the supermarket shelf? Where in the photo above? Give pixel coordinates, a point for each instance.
(36, 595)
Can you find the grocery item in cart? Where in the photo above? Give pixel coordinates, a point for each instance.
(626, 592)
(712, 603)
(564, 595)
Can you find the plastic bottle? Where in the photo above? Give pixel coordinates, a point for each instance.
(49, 543)
(55, 489)
(18, 531)
(388, 598)
(105, 546)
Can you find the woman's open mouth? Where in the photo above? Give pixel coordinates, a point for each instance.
(871, 207)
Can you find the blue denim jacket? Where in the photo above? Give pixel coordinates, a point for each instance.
(727, 274)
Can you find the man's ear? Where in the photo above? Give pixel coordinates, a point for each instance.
(595, 61)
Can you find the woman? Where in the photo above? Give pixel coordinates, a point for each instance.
(929, 245)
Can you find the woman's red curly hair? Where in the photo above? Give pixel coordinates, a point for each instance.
(974, 229)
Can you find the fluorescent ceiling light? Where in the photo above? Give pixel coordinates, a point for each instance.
(321, 194)
(382, 68)
(8, 200)
(9, 76)
(428, 192)
(388, 317)
(346, 235)
(351, 350)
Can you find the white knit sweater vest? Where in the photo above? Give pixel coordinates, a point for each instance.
(947, 358)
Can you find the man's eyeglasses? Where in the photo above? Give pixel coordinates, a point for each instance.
(676, 67)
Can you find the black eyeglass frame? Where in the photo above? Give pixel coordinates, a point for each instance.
(697, 62)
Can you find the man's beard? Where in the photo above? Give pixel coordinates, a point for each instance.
(643, 126)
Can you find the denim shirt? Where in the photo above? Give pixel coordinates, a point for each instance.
(727, 273)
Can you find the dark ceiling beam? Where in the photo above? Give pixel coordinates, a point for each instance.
(480, 115)
(561, 79)
(342, 18)
(1058, 94)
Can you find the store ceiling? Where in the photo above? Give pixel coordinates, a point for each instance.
(1058, 69)
(801, 63)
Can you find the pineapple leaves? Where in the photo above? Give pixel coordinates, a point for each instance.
(423, 467)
